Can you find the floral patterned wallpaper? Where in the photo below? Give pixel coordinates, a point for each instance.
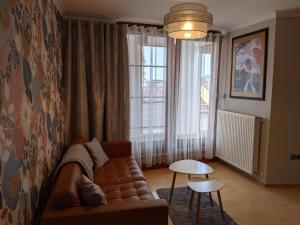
(31, 120)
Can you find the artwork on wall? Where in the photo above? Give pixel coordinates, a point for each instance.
(248, 67)
(31, 121)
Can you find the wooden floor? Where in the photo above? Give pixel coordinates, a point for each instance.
(248, 202)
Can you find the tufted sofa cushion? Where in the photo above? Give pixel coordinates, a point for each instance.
(121, 180)
(133, 191)
(118, 171)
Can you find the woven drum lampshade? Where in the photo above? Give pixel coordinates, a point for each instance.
(188, 21)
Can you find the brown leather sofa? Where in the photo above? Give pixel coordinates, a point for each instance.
(130, 201)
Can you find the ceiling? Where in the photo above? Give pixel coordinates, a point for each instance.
(228, 14)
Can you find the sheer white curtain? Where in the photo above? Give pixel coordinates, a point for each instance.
(173, 90)
(192, 90)
(147, 59)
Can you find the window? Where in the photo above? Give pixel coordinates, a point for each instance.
(193, 104)
(148, 87)
(171, 115)
(205, 74)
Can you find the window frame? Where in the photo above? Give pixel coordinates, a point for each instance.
(142, 66)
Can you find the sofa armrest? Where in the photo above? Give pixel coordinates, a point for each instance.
(148, 212)
(115, 149)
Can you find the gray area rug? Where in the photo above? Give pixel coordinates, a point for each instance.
(181, 215)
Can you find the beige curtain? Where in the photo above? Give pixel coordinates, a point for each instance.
(96, 81)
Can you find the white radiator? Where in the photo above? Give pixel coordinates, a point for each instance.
(238, 140)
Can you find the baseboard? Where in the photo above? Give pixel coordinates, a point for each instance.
(164, 165)
(282, 185)
(158, 166)
(253, 178)
(241, 172)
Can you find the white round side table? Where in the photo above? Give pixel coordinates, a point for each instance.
(207, 186)
(189, 167)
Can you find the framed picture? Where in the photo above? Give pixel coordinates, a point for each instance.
(249, 65)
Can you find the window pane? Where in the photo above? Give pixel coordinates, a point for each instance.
(148, 87)
(205, 92)
(135, 81)
(147, 73)
(147, 56)
(160, 74)
(206, 66)
(160, 56)
(153, 115)
(205, 75)
(160, 83)
(154, 56)
(148, 109)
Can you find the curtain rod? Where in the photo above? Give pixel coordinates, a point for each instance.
(97, 18)
(88, 17)
(158, 26)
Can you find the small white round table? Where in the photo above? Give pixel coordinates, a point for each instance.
(190, 167)
(207, 186)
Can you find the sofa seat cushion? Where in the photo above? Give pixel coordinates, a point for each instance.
(118, 171)
(133, 191)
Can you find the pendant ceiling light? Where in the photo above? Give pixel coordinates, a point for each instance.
(188, 21)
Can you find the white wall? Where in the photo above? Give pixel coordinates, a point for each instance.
(252, 107)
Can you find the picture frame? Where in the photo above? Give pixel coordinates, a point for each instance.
(249, 65)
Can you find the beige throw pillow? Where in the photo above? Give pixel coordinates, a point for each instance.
(97, 153)
(91, 193)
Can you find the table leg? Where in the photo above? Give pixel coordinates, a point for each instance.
(220, 203)
(191, 200)
(172, 188)
(210, 197)
(198, 210)
(189, 176)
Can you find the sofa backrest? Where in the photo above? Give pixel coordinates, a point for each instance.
(79, 140)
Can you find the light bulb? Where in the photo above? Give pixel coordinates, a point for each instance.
(187, 26)
(187, 35)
